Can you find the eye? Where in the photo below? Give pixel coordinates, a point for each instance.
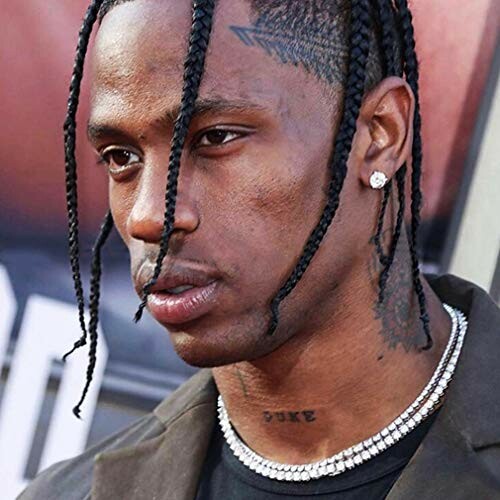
(217, 137)
(117, 159)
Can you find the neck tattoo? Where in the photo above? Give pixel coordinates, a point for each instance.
(427, 401)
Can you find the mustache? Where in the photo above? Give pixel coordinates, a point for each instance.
(144, 268)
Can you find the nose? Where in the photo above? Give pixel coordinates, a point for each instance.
(146, 219)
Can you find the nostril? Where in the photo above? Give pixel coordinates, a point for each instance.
(145, 226)
(186, 216)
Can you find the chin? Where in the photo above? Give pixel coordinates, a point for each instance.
(214, 347)
(201, 353)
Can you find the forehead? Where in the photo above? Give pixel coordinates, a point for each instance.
(141, 47)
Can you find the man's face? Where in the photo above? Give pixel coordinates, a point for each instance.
(252, 182)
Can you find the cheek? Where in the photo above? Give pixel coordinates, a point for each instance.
(265, 213)
(121, 202)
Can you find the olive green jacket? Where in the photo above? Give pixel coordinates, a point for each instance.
(161, 456)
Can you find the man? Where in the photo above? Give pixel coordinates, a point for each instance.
(331, 363)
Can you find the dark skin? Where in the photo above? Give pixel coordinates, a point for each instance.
(249, 195)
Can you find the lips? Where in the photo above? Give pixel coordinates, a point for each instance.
(180, 308)
(183, 293)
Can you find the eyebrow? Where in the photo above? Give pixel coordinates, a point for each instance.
(202, 107)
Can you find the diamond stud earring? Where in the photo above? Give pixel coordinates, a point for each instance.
(378, 180)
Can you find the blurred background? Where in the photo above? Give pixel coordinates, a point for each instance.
(457, 42)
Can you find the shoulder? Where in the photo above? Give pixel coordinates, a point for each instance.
(72, 479)
(473, 401)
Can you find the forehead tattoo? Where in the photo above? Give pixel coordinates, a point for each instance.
(355, 43)
(321, 50)
(313, 34)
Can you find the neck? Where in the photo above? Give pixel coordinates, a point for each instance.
(326, 390)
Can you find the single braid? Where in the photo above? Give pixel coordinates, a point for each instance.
(384, 275)
(377, 239)
(412, 76)
(358, 56)
(386, 16)
(203, 11)
(70, 163)
(95, 294)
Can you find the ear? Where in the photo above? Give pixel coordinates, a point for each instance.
(385, 129)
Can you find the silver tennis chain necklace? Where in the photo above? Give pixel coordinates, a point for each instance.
(419, 410)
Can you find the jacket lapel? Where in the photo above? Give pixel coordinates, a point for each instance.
(447, 463)
(445, 466)
(168, 466)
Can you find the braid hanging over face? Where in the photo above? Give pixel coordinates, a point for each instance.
(392, 22)
(193, 71)
(203, 11)
(354, 91)
(70, 163)
(95, 295)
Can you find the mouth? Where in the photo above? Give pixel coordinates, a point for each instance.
(179, 289)
(182, 295)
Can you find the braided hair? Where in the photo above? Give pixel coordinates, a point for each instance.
(70, 163)
(412, 76)
(193, 71)
(95, 294)
(385, 15)
(391, 20)
(203, 11)
(393, 23)
(358, 57)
